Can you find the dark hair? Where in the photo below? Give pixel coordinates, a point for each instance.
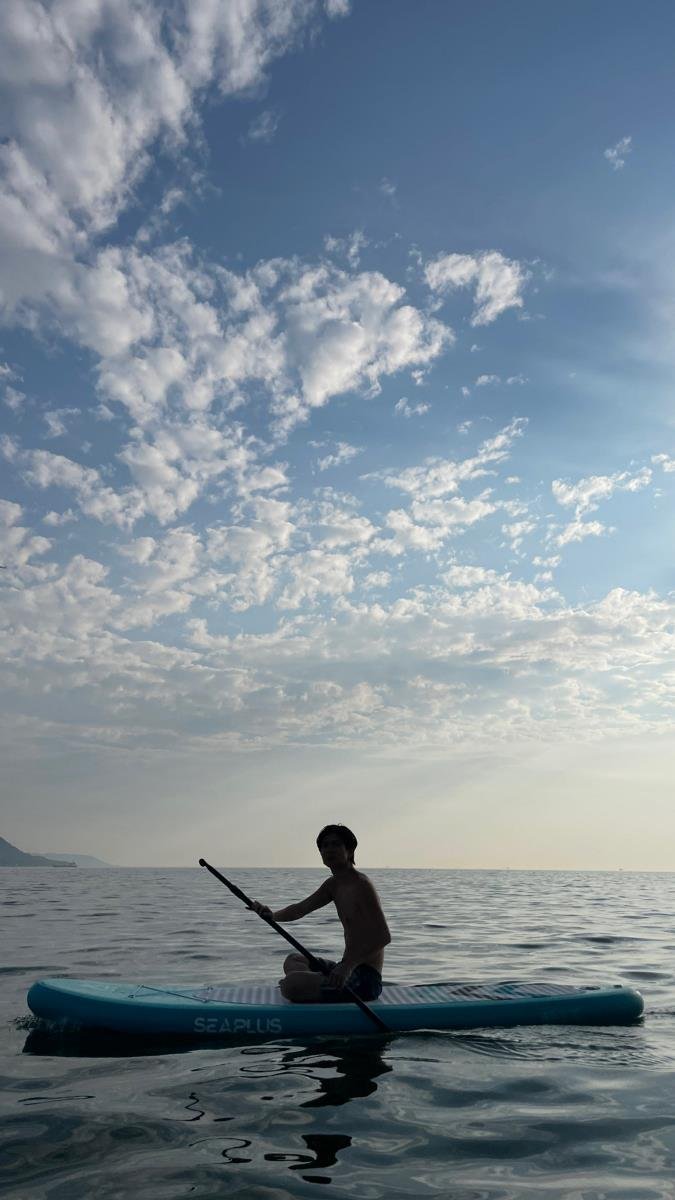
(345, 835)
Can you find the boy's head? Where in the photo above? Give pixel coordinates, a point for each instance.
(336, 836)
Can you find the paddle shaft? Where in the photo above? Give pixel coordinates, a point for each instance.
(314, 962)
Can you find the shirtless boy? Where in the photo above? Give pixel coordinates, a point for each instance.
(365, 928)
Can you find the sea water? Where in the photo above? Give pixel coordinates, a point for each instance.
(584, 1113)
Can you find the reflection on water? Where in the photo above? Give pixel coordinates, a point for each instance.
(325, 1147)
(318, 1073)
(340, 1070)
(567, 1113)
(344, 1069)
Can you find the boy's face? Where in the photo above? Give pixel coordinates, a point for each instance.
(333, 851)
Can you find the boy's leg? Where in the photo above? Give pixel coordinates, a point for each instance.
(294, 963)
(300, 982)
(301, 986)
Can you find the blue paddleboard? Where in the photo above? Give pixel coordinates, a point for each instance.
(219, 1010)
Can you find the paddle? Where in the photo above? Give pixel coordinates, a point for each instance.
(314, 962)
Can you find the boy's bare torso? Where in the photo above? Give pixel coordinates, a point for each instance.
(358, 907)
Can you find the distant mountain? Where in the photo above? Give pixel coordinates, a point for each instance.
(11, 857)
(80, 860)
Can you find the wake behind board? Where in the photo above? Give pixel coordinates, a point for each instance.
(219, 1010)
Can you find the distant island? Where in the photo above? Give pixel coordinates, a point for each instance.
(11, 856)
(80, 860)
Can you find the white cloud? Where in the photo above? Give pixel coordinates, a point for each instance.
(63, 518)
(17, 544)
(512, 624)
(475, 659)
(517, 531)
(350, 247)
(406, 409)
(344, 332)
(178, 341)
(334, 527)
(142, 382)
(9, 447)
(119, 75)
(450, 514)
(343, 453)
(91, 92)
(317, 574)
(253, 551)
(666, 463)
(163, 564)
(439, 477)
(577, 530)
(616, 155)
(264, 126)
(172, 198)
(406, 535)
(459, 576)
(95, 498)
(487, 379)
(54, 419)
(498, 282)
(375, 580)
(454, 655)
(106, 78)
(586, 495)
(183, 459)
(140, 550)
(13, 398)
(176, 338)
(169, 471)
(168, 491)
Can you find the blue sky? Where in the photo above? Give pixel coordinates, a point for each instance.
(337, 437)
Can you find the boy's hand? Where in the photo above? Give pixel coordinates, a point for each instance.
(261, 909)
(339, 975)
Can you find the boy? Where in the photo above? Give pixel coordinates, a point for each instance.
(365, 928)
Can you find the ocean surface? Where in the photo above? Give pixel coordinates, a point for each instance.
(583, 1113)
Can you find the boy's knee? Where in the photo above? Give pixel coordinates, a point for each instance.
(295, 987)
(294, 962)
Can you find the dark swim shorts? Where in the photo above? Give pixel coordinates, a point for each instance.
(365, 981)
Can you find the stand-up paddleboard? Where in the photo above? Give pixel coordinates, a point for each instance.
(220, 1010)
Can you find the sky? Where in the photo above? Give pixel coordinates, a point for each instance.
(337, 440)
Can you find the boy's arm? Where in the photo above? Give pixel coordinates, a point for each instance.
(293, 912)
